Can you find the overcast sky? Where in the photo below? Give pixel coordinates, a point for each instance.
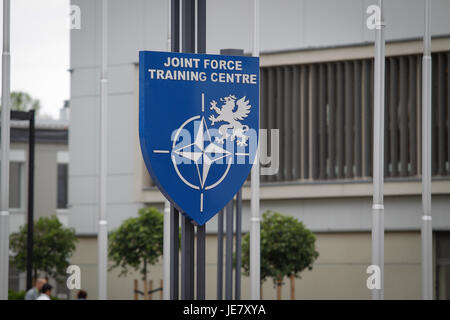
(40, 51)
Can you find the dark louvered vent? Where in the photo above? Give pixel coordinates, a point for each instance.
(325, 111)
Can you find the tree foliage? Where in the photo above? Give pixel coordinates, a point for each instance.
(16, 295)
(287, 247)
(138, 242)
(22, 101)
(52, 248)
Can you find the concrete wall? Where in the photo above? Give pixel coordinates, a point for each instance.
(45, 186)
(338, 273)
(294, 24)
(351, 214)
(45, 179)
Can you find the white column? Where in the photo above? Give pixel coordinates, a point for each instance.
(166, 252)
(102, 221)
(4, 183)
(378, 156)
(427, 231)
(166, 239)
(255, 252)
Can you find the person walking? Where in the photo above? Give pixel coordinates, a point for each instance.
(82, 295)
(45, 292)
(33, 293)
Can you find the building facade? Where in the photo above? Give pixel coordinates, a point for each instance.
(51, 164)
(317, 89)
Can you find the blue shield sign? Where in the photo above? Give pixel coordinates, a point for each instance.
(198, 126)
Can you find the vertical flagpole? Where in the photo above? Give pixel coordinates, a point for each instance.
(175, 26)
(378, 155)
(166, 251)
(166, 244)
(4, 184)
(255, 219)
(102, 222)
(187, 228)
(200, 36)
(427, 232)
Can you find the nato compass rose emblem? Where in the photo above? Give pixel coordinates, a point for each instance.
(198, 136)
(207, 148)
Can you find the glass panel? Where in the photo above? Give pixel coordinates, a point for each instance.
(15, 185)
(14, 278)
(62, 185)
(443, 265)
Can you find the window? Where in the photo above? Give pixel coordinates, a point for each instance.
(62, 186)
(442, 265)
(14, 278)
(15, 185)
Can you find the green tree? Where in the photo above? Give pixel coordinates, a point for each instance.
(287, 248)
(22, 101)
(138, 242)
(52, 248)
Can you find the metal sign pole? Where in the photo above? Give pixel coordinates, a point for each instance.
(427, 231)
(4, 184)
(255, 219)
(174, 252)
(237, 294)
(166, 243)
(30, 243)
(220, 255)
(201, 265)
(378, 157)
(201, 231)
(229, 233)
(188, 232)
(174, 215)
(166, 251)
(229, 252)
(30, 117)
(187, 261)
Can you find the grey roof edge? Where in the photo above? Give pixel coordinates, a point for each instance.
(43, 124)
(339, 46)
(347, 45)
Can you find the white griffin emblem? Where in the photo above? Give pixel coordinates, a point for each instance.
(226, 114)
